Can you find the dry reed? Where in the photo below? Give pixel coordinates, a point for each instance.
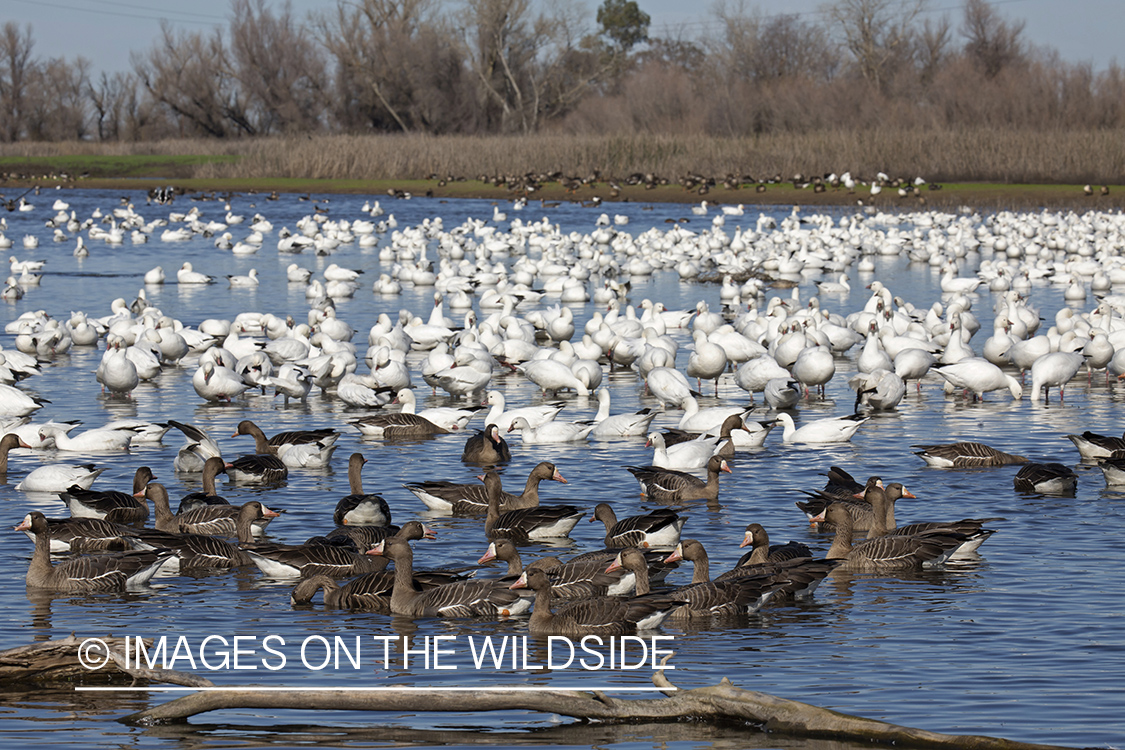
(962, 155)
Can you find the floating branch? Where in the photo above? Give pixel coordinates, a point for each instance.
(57, 661)
(722, 702)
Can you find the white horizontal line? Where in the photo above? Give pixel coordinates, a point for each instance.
(357, 689)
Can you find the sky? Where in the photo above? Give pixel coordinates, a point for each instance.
(106, 31)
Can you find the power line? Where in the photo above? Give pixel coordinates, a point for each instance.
(212, 20)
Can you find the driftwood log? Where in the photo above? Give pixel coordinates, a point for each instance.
(722, 702)
(53, 662)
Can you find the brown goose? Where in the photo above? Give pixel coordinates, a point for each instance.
(670, 486)
(369, 592)
(971, 529)
(471, 499)
(362, 537)
(277, 444)
(323, 557)
(212, 467)
(956, 455)
(199, 551)
(762, 551)
(604, 616)
(859, 505)
(82, 534)
(568, 580)
(705, 598)
(7, 443)
(115, 572)
(394, 425)
(112, 505)
(1091, 445)
(887, 552)
(798, 576)
(360, 508)
(296, 448)
(1046, 479)
(660, 528)
(487, 447)
(472, 598)
(524, 524)
(258, 469)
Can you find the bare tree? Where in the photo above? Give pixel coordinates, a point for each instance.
(933, 47)
(188, 74)
(16, 71)
(56, 107)
(992, 43)
(278, 68)
(877, 33)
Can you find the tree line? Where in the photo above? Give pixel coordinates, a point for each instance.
(504, 66)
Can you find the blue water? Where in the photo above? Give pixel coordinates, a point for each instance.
(1026, 642)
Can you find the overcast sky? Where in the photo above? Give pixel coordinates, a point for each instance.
(106, 31)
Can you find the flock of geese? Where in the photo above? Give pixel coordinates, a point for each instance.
(500, 311)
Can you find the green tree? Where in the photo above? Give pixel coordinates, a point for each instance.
(624, 23)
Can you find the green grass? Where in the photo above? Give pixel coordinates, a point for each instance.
(112, 166)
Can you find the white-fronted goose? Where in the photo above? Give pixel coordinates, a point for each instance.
(487, 447)
(472, 598)
(199, 551)
(887, 552)
(761, 551)
(660, 528)
(111, 572)
(220, 519)
(258, 469)
(471, 499)
(705, 598)
(970, 530)
(212, 467)
(726, 446)
(1046, 479)
(1113, 469)
(7, 443)
(1090, 445)
(112, 505)
(325, 557)
(296, 448)
(360, 508)
(568, 580)
(956, 455)
(858, 505)
(523, 524)
(363, 537)
(392, 425)
(798, 574)
(370, 592)
(82, 534)
(670, 486)
(604, 616)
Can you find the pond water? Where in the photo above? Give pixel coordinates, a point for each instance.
(1026, 642)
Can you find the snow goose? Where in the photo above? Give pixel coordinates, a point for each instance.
(611, 427)
(830, 430)
(552, 376)
(707, 360)
(753, 374)
(199, 447)
(447, 417)
(95, 440)
(1054, 369)
(979, 376)
(250, 280)
(670, 486)
(468, 376)
(880, 389)
(109, 572)
(709, 420)
(16, 403)
(535, 415)
(668, 385)
(188, 275)
(550, 432)
(217, 383)
(116, 371)
(58, 477)
(692, 454)
(814, 366)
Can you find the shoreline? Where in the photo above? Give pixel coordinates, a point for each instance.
(977, 195)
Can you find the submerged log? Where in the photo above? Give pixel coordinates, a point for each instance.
(722, 702)
(53, 662)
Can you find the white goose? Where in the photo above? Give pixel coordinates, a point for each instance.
(830, 430)
(978, 376)
(550, 432)
(609, 427)
(92, 441)
(692, 454)
(535, 415)
(58, 477)
(1054, 369)
(217, 383)
(187, 275)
